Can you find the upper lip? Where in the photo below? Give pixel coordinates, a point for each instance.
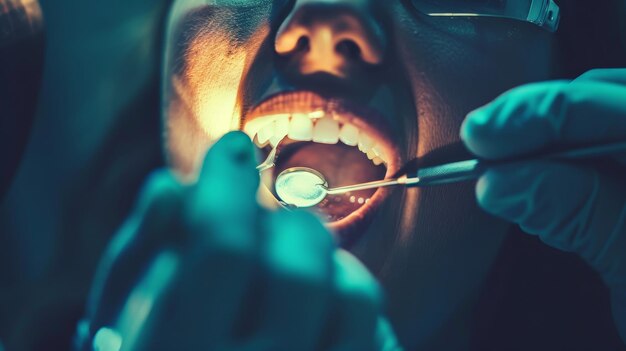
(366, 119)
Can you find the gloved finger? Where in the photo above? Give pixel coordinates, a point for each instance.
(153, 224)
(227, 185)
(572, 208)
(222, 208)
(535, 116)
(296, 289)
(223, 222)
(357, 306)
(385, 337)
(143, 320)
(607, 75)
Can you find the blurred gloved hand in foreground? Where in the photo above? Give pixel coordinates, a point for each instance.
(573, 207)
(203, 267)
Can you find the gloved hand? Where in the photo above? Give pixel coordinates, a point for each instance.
(203, 267)
(573, 207)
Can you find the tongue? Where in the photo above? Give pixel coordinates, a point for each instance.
(341, 165)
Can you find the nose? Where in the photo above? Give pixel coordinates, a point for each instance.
(331, 36)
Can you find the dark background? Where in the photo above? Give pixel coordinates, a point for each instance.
(95, 139)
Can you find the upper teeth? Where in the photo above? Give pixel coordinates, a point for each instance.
(316, 126)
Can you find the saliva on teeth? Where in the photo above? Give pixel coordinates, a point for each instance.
(317, 127)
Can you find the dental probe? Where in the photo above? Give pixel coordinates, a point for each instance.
(269, 161)
(306, 187)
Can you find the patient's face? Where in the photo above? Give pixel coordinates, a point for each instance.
(356, 89)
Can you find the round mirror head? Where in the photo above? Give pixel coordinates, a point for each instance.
(301, 187)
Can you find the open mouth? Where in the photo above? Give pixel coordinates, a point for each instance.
(348, 144)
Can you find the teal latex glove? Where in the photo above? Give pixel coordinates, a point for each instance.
(573, 207)
(203, 267)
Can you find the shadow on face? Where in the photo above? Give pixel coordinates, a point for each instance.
(356, 89)
(21, 66)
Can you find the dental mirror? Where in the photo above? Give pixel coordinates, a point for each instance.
(301, 187)
(306, 187)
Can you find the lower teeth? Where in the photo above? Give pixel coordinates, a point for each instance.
(341, 164)
(344, 202)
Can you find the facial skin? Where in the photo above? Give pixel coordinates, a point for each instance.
(430, 248)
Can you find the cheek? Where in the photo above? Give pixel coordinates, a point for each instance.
(444, 252)
(458, 65)
(203, 102)
(439, 244)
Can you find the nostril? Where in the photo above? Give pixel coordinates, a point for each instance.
(349, 49)
(303, 44)
(331, 36)
(290, 38)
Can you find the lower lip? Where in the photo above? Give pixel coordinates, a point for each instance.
(349, 229)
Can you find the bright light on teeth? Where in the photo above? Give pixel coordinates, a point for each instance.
(317, 114)
(349, 135)
(326, 131)
(317, 127)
